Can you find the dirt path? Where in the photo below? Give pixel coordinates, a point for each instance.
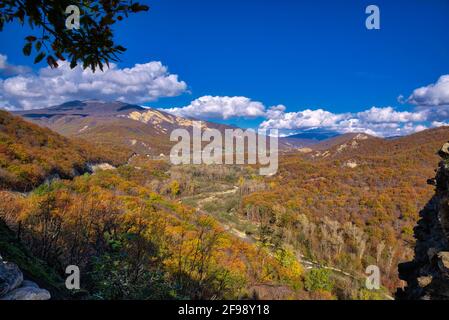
(213, 196)
(308, 264)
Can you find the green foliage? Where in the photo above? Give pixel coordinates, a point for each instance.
(318, 279)
(92, 44)
(114, 276)
(365, 294)
(174, 188)
(33, 268)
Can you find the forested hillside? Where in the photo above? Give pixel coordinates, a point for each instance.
(355, 205)
(130, 238)
(29, 154)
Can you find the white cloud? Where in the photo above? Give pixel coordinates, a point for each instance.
(216, 107)
(388, 114)
(9, 69)
(375, 121)
(302, 119)
(147, 82)
(437, 124)
(436, 94)
(275, 112)
(139, 84)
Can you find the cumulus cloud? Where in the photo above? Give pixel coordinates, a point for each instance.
(432, 101)
(437, 124)
(431, 110)
(23, 90)
(10, 69)
(139, 84)
(436, 94)
(216, 107)
(388, 114)
(302, 119)
(375, 121)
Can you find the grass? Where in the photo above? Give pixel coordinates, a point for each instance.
(224, 209)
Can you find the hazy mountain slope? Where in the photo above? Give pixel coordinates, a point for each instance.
(103, 124)
(315, 135)
(121, 125)
(362, 146)
(340, 140)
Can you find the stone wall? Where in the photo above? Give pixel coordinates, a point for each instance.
(427, 276)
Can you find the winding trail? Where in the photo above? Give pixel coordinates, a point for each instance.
(308, 264)
(213, 196)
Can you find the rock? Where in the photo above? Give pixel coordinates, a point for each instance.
(427, 275)
(100, 167)
(28, 283)
(443, 261)
(444, 151)
(424, 281)
(350, 164)
(13, 287)
(27, 293)
(10, 277)
(305, 150)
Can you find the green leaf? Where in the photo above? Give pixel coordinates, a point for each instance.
(39, 57)
(52, 62)
(60, 56)
(73, 64)
(30, 38)
(27, 49)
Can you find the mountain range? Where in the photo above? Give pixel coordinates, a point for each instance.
(117, 124)
(143, 130)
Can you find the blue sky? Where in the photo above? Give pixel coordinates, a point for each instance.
(300, 54)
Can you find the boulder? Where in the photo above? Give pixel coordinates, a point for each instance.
(10, 277)
(444, 151)
(424, 281)
(28, 283)
(27, 293)
(13, 287)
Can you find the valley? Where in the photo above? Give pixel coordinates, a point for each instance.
(208, 231)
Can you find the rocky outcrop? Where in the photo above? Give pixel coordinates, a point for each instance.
(13, 287)
(427, 276)
(10, 277)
